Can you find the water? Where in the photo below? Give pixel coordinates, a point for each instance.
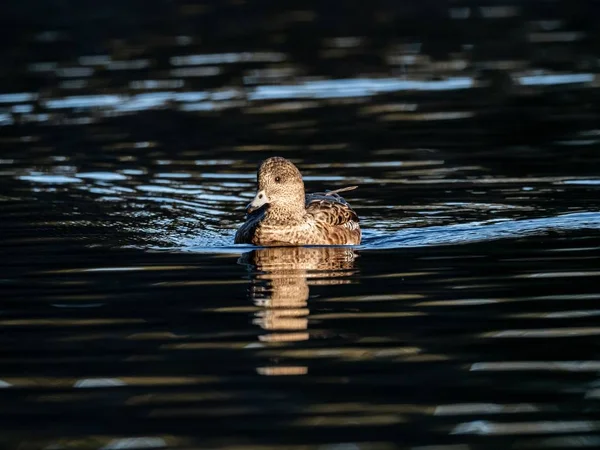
(466, 319)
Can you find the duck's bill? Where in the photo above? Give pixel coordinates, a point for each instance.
(259, 201)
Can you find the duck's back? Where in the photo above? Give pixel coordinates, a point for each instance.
(334, 217)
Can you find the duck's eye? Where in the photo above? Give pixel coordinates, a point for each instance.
(277, 179)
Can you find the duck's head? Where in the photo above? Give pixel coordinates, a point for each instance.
(280, 186)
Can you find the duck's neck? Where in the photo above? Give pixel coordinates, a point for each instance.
(287, 214)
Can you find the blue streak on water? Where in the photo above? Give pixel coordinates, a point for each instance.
(19, 97)
(85, 101)
(104, 176)
(355, 87)
(583, 182)
(227, 58)
(6, 119)
(557, 79)
(54, 179)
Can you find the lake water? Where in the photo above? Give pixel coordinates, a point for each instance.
(467, 318)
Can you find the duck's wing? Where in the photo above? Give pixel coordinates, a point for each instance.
(330, 208)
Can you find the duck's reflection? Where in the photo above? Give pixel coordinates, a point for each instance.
(280, 279)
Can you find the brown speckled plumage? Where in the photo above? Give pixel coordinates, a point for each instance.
(282, 214)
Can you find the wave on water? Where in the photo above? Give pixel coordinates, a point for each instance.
(456, 234)
(479, 231)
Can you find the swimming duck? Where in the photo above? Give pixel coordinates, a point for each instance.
(281, 214)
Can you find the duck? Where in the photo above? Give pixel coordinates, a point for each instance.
(282, 214)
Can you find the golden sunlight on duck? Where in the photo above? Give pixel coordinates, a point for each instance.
(282, 214)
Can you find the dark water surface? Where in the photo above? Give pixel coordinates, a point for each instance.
(467, 319)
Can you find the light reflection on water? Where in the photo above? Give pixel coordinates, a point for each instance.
(280, 288)
(235, 98)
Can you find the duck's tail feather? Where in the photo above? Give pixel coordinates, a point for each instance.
(344, 189)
